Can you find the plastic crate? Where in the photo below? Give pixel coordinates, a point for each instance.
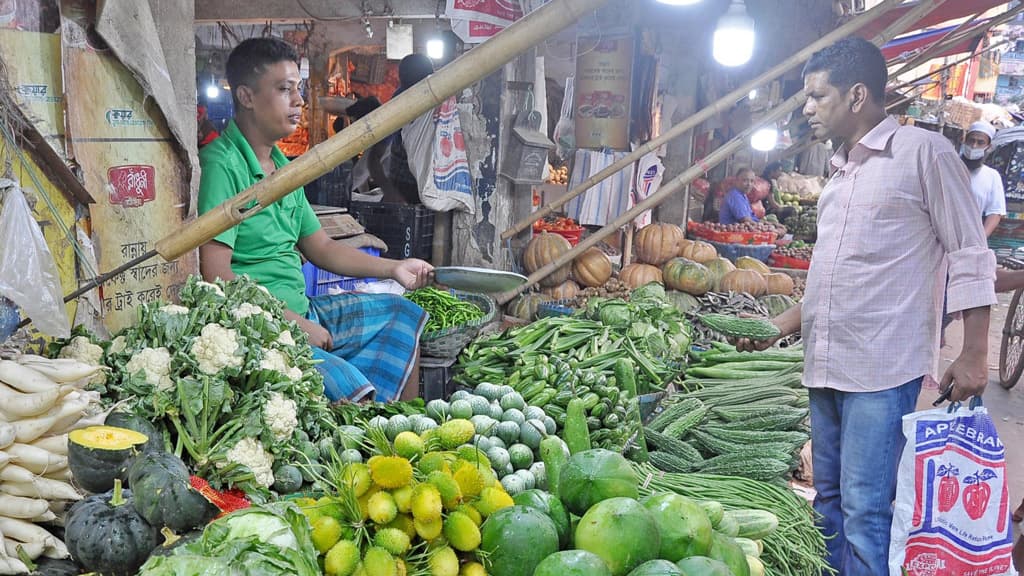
(320, 282)
(332, 189)
(779, 261)
(733, 251)
(408, 230)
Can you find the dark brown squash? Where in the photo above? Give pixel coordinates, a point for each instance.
(542, 250)
(592, 268)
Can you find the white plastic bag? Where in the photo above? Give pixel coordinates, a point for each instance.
(952, 513)
(28, 274)
(436, 149)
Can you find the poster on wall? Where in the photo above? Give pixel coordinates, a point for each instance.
(474, 21)
(130, 165)
(603, 92)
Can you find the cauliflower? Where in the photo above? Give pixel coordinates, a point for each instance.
(211, 287)
(250, 453)
(285, 339)
(245, 310)
(277, 361)
(118, 345)
(155, 365)
(263, 289)
(214, 349)
(174, 310)
(279, 414)
(82, 349)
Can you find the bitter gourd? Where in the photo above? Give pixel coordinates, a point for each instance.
(753, 328)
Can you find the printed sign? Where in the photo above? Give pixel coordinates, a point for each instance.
(132, 186)
(603, 90)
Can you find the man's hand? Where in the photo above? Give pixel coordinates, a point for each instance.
(318, 335)
(970, 373)
(412, 273)
(749, 345)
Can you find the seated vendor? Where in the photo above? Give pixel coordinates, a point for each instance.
(367, 342)
(736, 206)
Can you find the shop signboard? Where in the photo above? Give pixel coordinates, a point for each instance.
(603, 92)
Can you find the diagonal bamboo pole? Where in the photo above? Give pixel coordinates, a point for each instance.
(721, 105)
(418, 100)
(935, 46)
(694, 172)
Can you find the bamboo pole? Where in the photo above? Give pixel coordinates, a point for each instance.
(936, 45)
(721, 105)
(418, 100)
(948, 66)
(694, 172)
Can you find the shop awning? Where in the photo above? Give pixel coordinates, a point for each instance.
(948, 10)
(923, 40)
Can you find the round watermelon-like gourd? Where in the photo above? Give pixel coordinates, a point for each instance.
(550, 506)
(98, 455)
(779, 283)
(595, 475)
(704, 566)
(687, 276)
(658, 243)
(725, 549)
(564, 291)
(700, 252)
(106, 534)
(592, 268)
(164, 495)
(748, 281)
(572, 563)
(515, 540)
(141, 425)
(684, 526)
(750, 263)
(718, 268)
(542, 250)
(636, 275)
(776, 304)
(657, 568)
(526, 306)
(621, 531)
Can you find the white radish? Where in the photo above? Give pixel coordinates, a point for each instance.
(24, 531)
(7, 434)
(32, 550)
(62, 474)
(15, 473)
(57, 444)
(22, 507)
(46, 516)
(15, 404)
(96, 419)
(41, 487)
(23, 378)
(60, 370)
(56, 549)
(59, 507)
(10, 565)
(36, 459)
(30, 429)
(4, 460)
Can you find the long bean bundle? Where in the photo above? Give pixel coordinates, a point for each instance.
(796, 548)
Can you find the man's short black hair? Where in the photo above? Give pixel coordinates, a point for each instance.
(250, 59)
(852, 61)
(413, 68)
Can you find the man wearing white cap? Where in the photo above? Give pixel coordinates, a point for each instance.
(986, 183)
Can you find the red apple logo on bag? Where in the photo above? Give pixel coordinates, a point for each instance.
(977, 493)
(949, 487)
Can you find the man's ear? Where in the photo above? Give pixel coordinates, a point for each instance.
(244, 95)
(859, 96)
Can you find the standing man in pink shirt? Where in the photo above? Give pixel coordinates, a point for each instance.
(897, 204)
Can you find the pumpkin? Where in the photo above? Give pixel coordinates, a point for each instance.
(682, 301)
(700, 252)
(174, 541)
(658, 243)
(526, 305)
(776, 304)
(163, 494)
(683, 245)
(98, 455)
(747, 281)
(592, 268)
(55, 567)
(779, 283)
(135, 422)
(687, 276)
(106, 534)
(563, 291)
(749, 263)
(542, 250)
(718, 268)
(636, 275)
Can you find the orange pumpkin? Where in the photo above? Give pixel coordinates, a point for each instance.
(748, 281)
(563, 291)
(543, 249)
(779, 283)
(719, 267)
(658, 243)
(683, 245)
(700, 252)
(592, 268)
(636, 275)
(526, 305)
(687, 276)
(749, 263)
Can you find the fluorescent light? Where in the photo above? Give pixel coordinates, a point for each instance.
(764, 140)
(752, 95)
(679, 2)
(435, 48)
(212, 91)
(734, 36)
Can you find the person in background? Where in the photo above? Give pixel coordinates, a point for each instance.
(772, 173)
(367, 343)
(362, 172)
(736, 205)
(815, 160)
(986, 183)
(207, 131)
(893, 213)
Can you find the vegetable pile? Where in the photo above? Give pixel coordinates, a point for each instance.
(445, 310)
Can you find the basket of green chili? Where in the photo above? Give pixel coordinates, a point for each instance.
(455, 319)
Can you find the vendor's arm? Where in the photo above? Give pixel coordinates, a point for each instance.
(375, 164)
(788, 323)
(991, 223)
(336, 257)
(996, 205)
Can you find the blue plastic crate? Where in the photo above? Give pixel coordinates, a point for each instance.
(734, 251)
(320, 282)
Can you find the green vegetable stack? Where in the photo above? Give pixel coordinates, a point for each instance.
(445, 309)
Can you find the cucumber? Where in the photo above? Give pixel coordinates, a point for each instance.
(577, 434)
(553, 453)
(754, 524)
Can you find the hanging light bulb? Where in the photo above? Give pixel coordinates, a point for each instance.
(435, 48)
(765, 139)
(734, 37)
(212, 91)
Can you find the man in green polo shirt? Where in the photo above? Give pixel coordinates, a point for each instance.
(367, 342)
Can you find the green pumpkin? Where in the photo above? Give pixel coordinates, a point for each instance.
(56, 567)
(139, 424)
(163, 494)
(98, 455)
(174, 541)
(106, 534)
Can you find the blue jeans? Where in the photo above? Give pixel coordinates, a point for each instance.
(857, 440)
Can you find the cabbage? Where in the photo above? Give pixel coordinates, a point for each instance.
(649, 291)
(616, 313)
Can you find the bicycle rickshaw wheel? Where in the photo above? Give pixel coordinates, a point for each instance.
(1011, 351)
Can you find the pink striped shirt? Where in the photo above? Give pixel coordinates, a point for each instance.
(898, 203)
